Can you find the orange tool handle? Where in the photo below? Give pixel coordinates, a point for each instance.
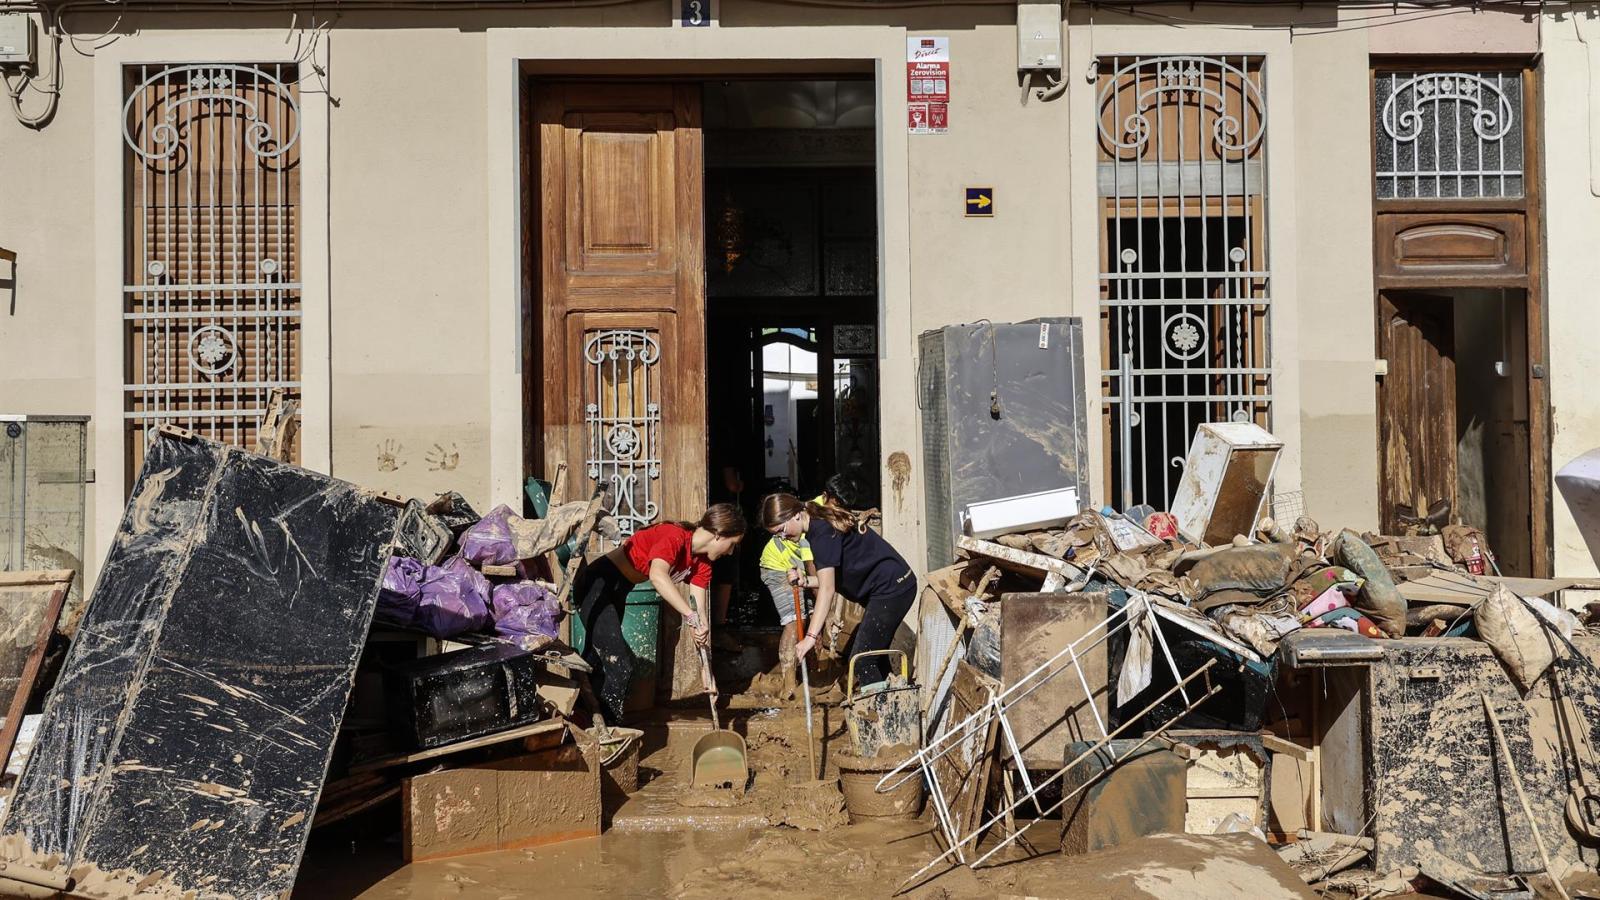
(799, 614)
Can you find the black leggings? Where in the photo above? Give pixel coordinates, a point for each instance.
(886, 608)
(602, 596)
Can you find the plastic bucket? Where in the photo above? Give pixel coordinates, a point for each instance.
(858, 780)
(641, 629)
(619, 759)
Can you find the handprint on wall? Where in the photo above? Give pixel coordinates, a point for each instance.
(389, 456)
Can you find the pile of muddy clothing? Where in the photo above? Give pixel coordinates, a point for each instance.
(1262, 587)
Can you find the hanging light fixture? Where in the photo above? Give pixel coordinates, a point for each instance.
(728, 231)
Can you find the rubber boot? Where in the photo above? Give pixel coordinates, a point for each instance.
(788, 678)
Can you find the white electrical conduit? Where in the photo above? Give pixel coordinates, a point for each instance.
(53, 91)
(1583, 21)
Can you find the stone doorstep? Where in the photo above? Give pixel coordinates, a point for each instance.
(669, 739)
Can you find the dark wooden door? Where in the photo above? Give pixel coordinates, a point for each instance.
(622, 293)
(1416, 403)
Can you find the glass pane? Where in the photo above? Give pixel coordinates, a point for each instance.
(1448, 134)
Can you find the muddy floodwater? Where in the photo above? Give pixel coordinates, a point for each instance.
(854, 861)
(787, 836)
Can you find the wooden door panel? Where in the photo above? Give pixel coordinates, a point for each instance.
(1416, 404)
(622, 293)
(625, 222)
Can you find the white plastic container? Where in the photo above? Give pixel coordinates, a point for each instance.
(1026, 512)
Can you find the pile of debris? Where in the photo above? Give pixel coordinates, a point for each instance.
(270, 651)
(1353, 698)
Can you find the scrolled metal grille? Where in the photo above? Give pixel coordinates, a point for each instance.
(1448, 135)
(1185, 299)
(622, 416)
(212, 292)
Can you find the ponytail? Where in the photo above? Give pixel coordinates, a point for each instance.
(722, 520)
(842, 520)
(780, 508)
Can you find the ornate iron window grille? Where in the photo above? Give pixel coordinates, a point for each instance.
(1448, 135)
(1185, 285)
(212, 295)
(622, 417)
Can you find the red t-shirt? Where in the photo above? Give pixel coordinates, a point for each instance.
(671, 542)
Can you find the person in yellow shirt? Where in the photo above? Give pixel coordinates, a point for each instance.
(779, 559)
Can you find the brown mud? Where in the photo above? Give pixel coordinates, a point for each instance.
(806, 849)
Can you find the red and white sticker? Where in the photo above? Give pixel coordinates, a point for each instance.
(927, 85)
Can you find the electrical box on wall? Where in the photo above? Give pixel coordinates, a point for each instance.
(1038, 35)
(16, 39)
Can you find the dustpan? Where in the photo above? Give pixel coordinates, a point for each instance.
(718, 761)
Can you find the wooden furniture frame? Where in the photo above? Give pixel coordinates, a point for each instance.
(60, 582)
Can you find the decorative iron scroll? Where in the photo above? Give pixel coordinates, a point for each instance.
(1209, 87)
(155, 121)
(1448, 135)
(622, 415)
(1491, 110)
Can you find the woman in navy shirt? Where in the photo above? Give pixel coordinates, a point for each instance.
(850, 559)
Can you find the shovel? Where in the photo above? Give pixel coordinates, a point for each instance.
(718, 760)
(805, 676)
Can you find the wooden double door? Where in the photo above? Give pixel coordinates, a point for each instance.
(617, 355)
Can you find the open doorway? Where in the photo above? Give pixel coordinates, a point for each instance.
(791, 297)
(1454, 409)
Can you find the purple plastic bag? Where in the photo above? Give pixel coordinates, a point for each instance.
(454, 599)
(402, 588)
(525, 608)
(488, 541)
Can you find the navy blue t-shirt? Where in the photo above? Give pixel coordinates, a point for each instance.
(866, 566)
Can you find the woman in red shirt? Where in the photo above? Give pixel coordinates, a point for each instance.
(667, 555)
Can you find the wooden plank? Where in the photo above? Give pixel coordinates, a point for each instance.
(1027, 562)
(1034, 629)
(1289, 748)
(38, 577)
(488, 740)
(25, 610)
(965, 771)
(355, 807)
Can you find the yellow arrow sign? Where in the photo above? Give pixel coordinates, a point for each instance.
(980, 201)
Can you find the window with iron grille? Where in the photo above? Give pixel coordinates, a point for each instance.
(1448, 135)
(211, 291)
(1185, 305)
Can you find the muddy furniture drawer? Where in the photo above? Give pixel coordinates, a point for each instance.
(462, 694)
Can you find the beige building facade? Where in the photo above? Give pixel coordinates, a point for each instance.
(419, 206)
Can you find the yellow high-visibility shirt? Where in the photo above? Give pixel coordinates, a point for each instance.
(782, 555)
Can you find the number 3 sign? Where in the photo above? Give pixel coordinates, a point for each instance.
(696, 13)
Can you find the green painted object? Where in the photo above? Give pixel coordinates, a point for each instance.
(641, 628)
(538, 497)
